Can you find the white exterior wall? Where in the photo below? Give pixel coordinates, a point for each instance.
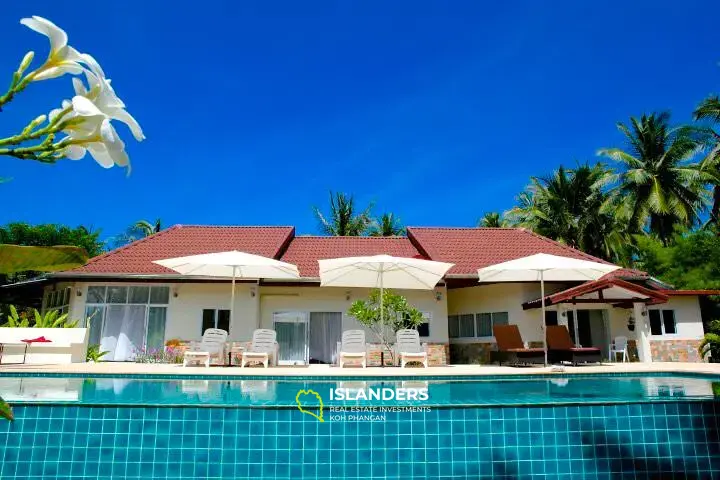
(502, 297)
(184, 316)
(255, 305)
(334, 299)
(688, 319)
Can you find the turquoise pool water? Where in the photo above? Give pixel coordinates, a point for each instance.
(564, 427)
(270, 391)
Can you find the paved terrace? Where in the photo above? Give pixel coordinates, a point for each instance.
(326, 370)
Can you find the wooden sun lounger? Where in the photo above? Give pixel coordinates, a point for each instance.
(562, 349)
(511, 348)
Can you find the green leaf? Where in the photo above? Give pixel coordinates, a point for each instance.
(5, 411)
(16, 258)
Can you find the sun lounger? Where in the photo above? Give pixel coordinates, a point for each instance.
(353, 347)
(211, 345)
(511, 348)
(562, 349)
(263, 348)
(408, 348)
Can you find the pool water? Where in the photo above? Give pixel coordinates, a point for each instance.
(597, 427)
(269, 391)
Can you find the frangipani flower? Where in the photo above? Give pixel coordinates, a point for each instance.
(103, 96)
(62, 58)
(89, 130)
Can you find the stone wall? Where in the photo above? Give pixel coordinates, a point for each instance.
(468, 353)
(675, 350)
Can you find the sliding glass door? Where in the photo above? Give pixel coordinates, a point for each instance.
(292, 329)
(325, 333)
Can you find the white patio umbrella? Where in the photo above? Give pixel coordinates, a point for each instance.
(233, 265)
(541, 267)
(382, 271)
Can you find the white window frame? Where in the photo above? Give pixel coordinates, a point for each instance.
(105, 304)
(662, 322)
(475, 316)
(51, 303)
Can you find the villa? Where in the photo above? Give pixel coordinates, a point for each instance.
(123, 292)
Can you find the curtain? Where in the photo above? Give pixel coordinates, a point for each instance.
(156, 327)
(123, 331)
(291, 329)
(325, 333)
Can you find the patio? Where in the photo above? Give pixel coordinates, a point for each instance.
(123, 368)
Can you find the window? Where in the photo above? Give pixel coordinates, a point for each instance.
(111, 310)
(214, 318)
(477, 325)
(662, 322)
(58, 300)
(461, 326)
(424, 328)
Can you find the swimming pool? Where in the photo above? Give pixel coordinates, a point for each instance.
(554, 426)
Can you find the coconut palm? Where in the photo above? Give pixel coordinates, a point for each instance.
(492, 220)
(146, 228)
(566, 207)
(658, 189)
(388, 225)
(137, 231)
(343, 219)
(709, 109)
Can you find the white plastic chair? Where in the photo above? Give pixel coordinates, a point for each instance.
(353, 346)
(262, 349)
(408, 348)
(211, 345)
(619, 345)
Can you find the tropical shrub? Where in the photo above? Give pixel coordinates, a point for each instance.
(397, 314)
(710, 344)
(94, 354)
(50, 319)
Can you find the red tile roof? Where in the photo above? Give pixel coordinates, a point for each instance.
(306, 251)
(182, 240)
(473, 248)
(678, 293)
(654, 296)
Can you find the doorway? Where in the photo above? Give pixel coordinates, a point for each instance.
(307, 337)
(590, 329)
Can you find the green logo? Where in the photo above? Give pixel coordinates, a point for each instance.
(302, 399)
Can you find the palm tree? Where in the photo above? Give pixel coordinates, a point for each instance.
(343, 221)
(388, 225)
(566, 207)
(657, 189)
(137, 231)
(709, 109)
(492, 220)
(146, 228)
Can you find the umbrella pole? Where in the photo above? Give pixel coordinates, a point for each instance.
(544, 329)
(232, 298)
(382, 321)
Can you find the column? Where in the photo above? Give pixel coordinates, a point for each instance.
(642, 333)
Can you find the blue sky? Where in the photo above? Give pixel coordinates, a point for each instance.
(436, 111)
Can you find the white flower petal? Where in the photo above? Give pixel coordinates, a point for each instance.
(123, 116)
(57, 36)
(79, 86)
(84, 107)
(75, 152)
(57, 71)
(92, 64)
(101, 155)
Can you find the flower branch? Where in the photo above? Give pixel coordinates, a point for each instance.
(85, 120)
